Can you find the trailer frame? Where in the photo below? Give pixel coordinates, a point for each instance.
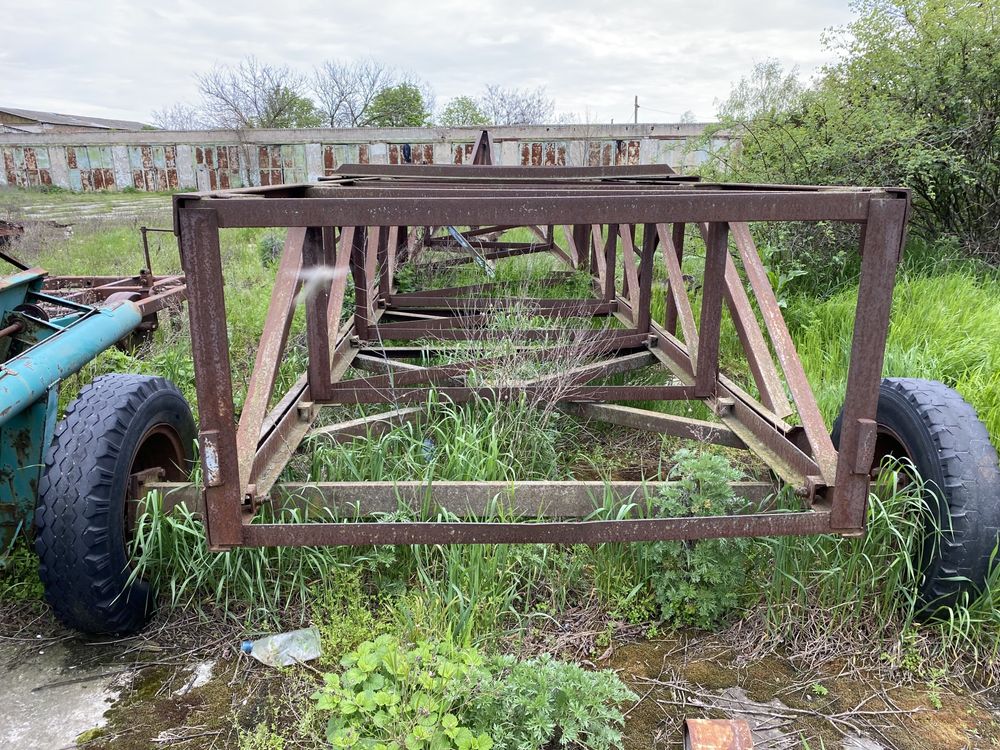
(361, 225)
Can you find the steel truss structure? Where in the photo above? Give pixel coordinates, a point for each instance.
(361, 226)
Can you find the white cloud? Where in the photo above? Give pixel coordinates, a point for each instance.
(124, 59)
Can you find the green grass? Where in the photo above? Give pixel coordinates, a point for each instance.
(944, 327)
(117, 250)
(31, 198)
(864, 590)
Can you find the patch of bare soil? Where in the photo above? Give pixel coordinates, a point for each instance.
(682, 677)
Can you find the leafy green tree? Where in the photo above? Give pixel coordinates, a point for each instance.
(463, 110)
(914, 100)
(292, 110)
(398, 106)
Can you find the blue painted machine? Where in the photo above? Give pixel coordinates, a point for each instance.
(43, 339)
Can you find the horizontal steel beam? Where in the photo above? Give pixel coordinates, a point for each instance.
(556, 392)
(527, 499)
(500, 173)
(555, 532)
(665, 424)
(720, 206)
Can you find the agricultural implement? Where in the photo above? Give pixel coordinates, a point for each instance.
(619, 225)
(50, 327)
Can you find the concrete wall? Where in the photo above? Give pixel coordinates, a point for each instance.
(210, 159)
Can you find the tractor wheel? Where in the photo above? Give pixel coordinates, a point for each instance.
(119, 425)
(940, 433)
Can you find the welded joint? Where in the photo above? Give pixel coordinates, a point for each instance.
(811, 488)
(306, 411)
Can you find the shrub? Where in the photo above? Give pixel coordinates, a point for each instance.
(433, 695)
(529, 704)
(270, 247)
(698, 582)
(911, 100)
(390, 697)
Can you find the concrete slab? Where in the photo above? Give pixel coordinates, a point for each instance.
(50, 694)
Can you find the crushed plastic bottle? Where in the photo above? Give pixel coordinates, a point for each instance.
(285, 649)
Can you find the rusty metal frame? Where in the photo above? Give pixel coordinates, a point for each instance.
(361, 225)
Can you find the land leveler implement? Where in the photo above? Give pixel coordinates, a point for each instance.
(624, 228)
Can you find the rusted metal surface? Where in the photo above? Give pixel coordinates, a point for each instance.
(482, 150)
(270, 351)
(469, 500)
(795, 375)
(882, 245)
(658, 422)
(155, 167)
(717, 734)
(545, 532)
(202, 261)
(357, 228)
(27, 166)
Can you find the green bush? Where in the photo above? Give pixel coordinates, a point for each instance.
(910, 101)
(528, 704)
(698, 582)
(389, 697)
(270, 247)
(436, 696)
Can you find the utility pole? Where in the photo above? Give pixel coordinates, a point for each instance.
(635, 112)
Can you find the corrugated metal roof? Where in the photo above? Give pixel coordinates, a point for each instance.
(80, 121)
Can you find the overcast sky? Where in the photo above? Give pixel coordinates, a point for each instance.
(124, 59)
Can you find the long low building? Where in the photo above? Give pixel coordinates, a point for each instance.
(160, 160)
(34, 121)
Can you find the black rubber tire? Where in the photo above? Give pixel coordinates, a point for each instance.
(118, 424)
(950, 448)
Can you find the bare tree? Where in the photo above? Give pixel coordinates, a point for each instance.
(516, 106)
(345, 90)
(179, 116)
(426, 91)
(256, 95)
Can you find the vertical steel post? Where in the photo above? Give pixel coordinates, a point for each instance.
(647, 251)
(881, 246)
(716, 252)
(581, 238)
(317, 260)
(677, 235)
(610, 259)
(198, 240)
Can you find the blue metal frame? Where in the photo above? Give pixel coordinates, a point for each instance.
(38, 357)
